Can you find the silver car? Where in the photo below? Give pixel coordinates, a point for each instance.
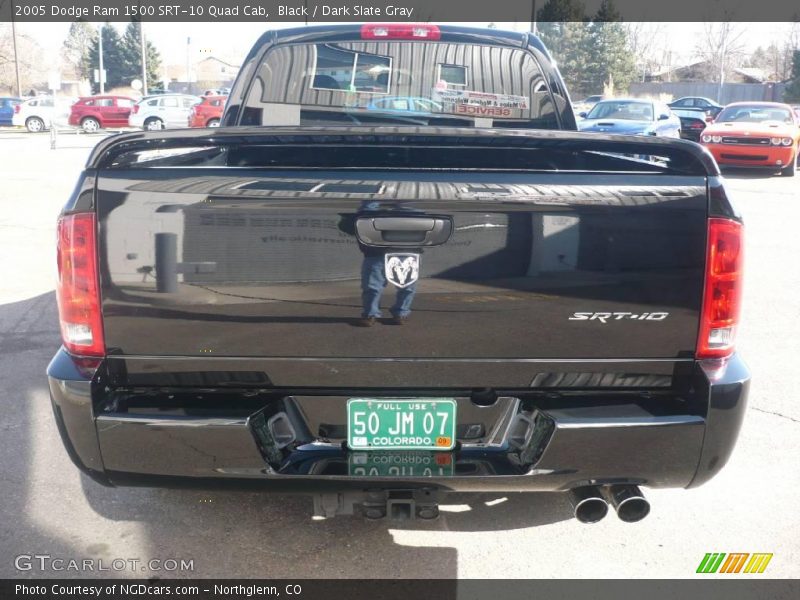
(165, 111)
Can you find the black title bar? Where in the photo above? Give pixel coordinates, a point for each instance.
(328, 11)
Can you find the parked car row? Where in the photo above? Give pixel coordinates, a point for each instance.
(109, 111)
(763, 135)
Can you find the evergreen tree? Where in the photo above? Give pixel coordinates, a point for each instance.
(611, 63)
(792, 91)
(607, 13)
(561, 11)
(77, 47)
(132, 50)
(113, 59)
(562, 29)
(590, 54)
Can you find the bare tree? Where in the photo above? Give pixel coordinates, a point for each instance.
(722, 48)
(776, 59)
(648, 43)
(784, 59)
(32, 67)
(75, 51)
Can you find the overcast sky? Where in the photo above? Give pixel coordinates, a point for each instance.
(231, 41)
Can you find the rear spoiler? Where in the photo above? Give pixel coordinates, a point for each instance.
(403, 147)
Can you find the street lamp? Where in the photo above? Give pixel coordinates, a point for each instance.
(100, 56)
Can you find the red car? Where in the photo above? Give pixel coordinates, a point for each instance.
(208, 112)
(100, 112)
(755, 135)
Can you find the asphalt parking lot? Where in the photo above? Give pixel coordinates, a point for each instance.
(49, 508)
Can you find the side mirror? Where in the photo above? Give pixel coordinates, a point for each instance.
(663, 117)
(582, 114)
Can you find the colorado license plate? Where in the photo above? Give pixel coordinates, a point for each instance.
(389, 424)
(400, 464)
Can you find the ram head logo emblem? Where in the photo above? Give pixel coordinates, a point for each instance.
(402, 268)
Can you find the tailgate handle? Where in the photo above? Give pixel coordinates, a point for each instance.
(403, 231)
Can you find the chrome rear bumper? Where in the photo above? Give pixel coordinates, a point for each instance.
(520, 443)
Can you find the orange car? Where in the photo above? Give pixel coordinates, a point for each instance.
(208, 112)
(755, 135)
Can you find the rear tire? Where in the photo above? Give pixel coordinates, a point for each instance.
(90, 125)
(213, 123)
(790, 169)
(34, 124)
(153, 124)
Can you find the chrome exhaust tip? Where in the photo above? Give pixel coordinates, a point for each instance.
(628, 501)
(588, 504)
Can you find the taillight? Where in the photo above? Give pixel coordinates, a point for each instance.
(399, 31)
(722, 297)
(135, 109)
(17, 108)
(78, 286)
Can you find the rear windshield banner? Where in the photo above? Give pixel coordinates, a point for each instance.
(302, 12)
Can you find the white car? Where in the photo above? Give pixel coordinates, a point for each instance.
(39, 113)
(585, 105)
(163, 111)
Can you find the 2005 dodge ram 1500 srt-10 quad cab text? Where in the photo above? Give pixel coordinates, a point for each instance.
(396, 271)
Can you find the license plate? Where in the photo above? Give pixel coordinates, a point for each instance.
(388, 424)
(400, 464)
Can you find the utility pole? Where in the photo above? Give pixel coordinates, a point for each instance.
(100, 55)
(16, 55)
(722, 66)
(533, 17)
(144, 58)
(188, 65)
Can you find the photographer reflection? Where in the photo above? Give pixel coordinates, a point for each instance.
(383, 265)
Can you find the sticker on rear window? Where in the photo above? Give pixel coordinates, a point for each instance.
(479, 99)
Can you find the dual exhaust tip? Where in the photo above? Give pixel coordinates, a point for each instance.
(590, 503)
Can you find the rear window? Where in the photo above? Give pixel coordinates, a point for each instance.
(399, 83)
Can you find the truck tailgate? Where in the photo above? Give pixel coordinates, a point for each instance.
(269, 262)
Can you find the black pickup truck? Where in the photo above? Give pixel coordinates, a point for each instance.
(396, 271)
